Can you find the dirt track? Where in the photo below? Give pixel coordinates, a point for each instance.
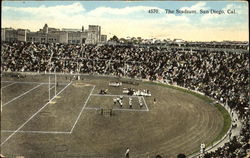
(178, 122)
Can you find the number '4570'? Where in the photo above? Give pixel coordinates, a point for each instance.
(153, 11)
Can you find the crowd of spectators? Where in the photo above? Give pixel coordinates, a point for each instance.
(216, 73)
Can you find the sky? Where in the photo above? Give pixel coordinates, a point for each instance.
(132, 18)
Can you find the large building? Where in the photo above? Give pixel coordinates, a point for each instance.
(10, 34)
(54, 35)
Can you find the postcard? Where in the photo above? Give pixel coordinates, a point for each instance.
(133, 79)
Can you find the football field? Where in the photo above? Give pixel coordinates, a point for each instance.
(69, 118)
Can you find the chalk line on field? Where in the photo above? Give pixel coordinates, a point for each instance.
(118, 109)
(112, 95)
(26, 82)
(21, 95)
(39, 132)
(145, 103)
(84, 105)
(52, 87)
(33, 116)
(137, 110)
(8, 85)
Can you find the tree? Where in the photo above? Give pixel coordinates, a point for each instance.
(114, 38)
(123, 40)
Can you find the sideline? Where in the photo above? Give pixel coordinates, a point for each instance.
(33, 115)
(21, 95)
(84, 105)
(8, 85)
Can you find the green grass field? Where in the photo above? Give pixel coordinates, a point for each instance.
(71, 126)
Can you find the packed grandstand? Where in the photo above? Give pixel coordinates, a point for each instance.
(218, 73)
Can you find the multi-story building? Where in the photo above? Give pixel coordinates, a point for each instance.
(2, 34)
(10, 34)
(75, 37)
(54, 35)
(22, 35)
(63, 37)
(94, 34)
(103, 38)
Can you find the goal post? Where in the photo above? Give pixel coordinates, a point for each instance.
(51, 82)
(55, 83)
(49, 87)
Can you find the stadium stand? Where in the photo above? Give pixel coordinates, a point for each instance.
(220, 74)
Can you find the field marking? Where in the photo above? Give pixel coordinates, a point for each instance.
(33, 115)
(112, 95)
(39, 132)
(84, 105)
(25, 82)
(8, 85)
(145, 103)
(52, 87)
(91, 108)
(7, 81)
(118, 109)
(21, 95)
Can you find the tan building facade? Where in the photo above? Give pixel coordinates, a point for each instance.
(103, 38)
(53, 35)
(94, 34)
